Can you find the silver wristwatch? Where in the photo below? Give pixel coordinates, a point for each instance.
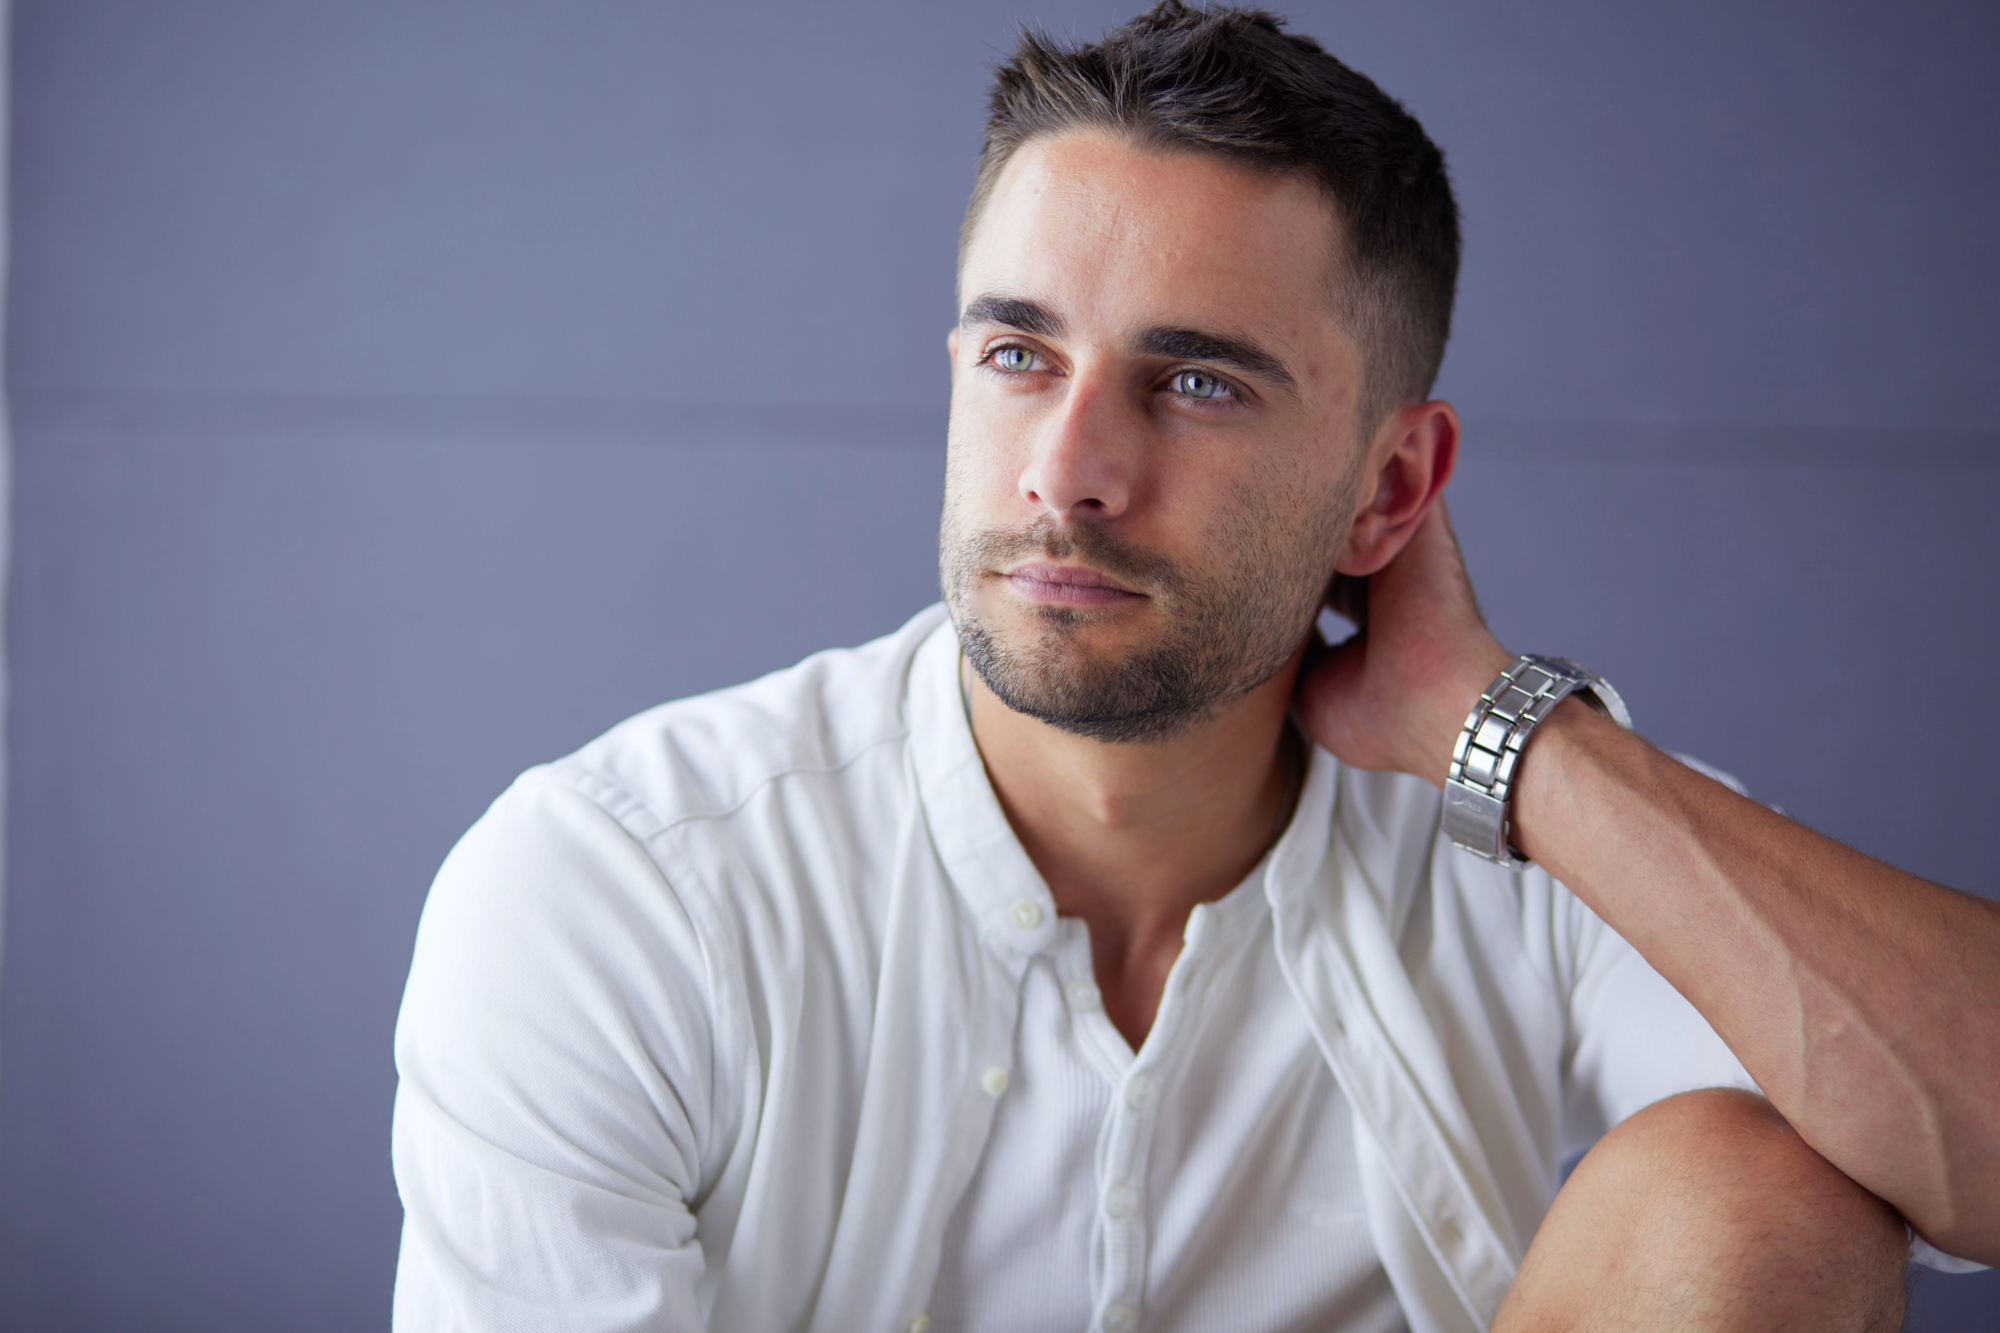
(1480, 784)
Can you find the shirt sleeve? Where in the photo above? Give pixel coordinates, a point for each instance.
(1633, 1038)
(554, 1055)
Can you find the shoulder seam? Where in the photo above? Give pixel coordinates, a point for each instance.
(646, 824)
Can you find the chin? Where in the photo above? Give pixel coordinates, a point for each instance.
(1043, 664)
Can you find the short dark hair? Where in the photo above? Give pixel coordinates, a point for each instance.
(1234, 83)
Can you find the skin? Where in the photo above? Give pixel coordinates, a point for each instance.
(1114, 242)
(1707, 1211)
(1864, 1001)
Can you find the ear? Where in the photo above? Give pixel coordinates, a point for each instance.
(951, 343)
(1411, 458)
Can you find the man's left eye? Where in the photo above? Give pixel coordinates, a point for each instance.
(1200, 384)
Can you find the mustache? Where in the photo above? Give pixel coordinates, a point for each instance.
(1135, 566)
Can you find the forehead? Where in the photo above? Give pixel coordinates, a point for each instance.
(1112, 231)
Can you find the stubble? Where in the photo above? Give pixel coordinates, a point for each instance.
(1227, 627)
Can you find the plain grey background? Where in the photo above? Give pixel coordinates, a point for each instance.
(403, 393)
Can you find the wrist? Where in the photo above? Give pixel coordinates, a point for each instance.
(1490, 757)
(1473, 670)
(1568, 737)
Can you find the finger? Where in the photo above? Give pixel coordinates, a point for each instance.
(1446, 566)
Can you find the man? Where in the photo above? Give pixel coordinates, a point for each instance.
(1031, 969)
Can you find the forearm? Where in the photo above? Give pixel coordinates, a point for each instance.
(1866, 1002)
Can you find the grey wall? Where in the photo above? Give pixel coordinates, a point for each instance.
(404, 393)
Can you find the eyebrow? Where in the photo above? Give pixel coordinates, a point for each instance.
(1195, 345)
(1017, 312)
(1014, 312)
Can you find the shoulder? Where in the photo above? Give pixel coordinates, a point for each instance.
(1392, 822)
(665, 835)
(575, 848)
(575, 924)
(703, 757)
(664, 832)
(1454, 915)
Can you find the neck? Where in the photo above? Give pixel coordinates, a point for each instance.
(1130, 837)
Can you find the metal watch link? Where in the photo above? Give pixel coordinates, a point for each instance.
(1479, 787)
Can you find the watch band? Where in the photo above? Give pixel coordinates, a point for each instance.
(1479, 786)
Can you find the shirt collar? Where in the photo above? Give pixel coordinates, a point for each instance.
(1294, 866)
(985, 861)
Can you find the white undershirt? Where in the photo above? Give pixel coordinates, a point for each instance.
(1207, 1183)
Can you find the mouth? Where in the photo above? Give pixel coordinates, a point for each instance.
(1068, 585)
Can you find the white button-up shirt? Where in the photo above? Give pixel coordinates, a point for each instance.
(1207, 1181)
(710, 1024)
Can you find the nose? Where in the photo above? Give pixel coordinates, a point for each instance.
(1083, 460)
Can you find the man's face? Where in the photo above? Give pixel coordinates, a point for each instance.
(1153, 463)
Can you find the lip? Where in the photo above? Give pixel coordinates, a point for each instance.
(1067, 585)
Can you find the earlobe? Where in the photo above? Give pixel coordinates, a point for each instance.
(1419, 449)
(1370, 545)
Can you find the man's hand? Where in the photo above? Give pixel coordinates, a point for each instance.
(1396, 695)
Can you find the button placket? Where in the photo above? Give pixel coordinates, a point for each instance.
(1134, 1113)
(1133, 1116)
(1121, 1204)
(1119, 1226)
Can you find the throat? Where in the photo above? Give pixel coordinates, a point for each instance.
(1130, 838)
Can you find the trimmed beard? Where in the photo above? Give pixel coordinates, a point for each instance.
(1228, 631)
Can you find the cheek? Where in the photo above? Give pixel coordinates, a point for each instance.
(1283, 481)
(1287, 514)
(980, 470)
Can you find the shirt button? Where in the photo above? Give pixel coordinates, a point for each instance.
(1120, 1318)
(1084, 997)
(921, 1324)
(1142, 1091)
(1120, 1202)
(994, 1081)
(1026, 914)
